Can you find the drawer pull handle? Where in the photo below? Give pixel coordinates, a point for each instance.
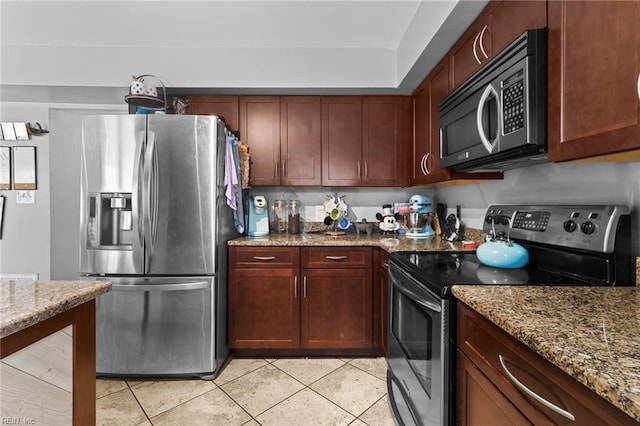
(336, 257)
(264, 258)
(534, 395)
(295, 287)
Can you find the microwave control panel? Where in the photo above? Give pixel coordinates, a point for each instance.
(513, 107)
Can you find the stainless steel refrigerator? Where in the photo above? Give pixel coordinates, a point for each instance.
(154, 221)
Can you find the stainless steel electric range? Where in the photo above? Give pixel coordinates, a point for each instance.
(567, 246)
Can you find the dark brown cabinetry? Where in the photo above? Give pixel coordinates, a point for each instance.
(426, 145)
(386, 122)
(594, 78)
(225, 107)
(341, 140)
(304, 299)
(283, 134)
(489, 362)
(336, 298)
(500, 23)
(264, 306)
(300, 145)
(364, 140)
(260, 129)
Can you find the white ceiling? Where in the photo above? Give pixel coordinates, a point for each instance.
(260, 45)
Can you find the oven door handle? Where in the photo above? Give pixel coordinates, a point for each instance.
(425, 300)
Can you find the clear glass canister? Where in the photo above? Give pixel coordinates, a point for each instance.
(280, 216)
(294, 217)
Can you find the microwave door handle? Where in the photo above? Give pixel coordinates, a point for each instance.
(489, 145)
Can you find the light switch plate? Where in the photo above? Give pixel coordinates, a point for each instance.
(25, 197)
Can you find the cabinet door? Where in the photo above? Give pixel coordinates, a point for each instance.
(225, 107)
(264, 309)
(438, 90)
(510, 19)
(421, 143)
(471, 51)
(594, 66)
(260, 129)
(385, 127)
(479, 402)
(336, 308)
(300, 145)
(342, 140)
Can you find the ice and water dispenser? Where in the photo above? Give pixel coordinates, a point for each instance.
(110, 221)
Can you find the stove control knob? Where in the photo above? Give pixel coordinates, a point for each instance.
(570, 225)
(588, 227)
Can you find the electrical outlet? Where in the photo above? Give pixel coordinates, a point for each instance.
(320, 213)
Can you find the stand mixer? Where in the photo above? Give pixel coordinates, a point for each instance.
(418, 222)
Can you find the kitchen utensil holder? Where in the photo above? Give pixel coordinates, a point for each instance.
(152, 103)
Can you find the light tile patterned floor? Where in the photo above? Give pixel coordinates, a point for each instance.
(270, 392)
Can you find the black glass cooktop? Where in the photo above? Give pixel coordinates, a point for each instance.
(440, 271)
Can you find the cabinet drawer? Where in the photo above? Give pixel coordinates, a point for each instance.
(498, 355)
(336, 257)
(264, 257)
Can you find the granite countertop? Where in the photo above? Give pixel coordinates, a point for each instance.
(26, 302)
(591, 333)
(390, 243)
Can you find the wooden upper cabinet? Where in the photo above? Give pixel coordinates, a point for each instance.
(426, 144)
(471, 51)
(421, 145)
(260, 129)
(300, 145)
(500, 23)
(364, 140)
(225, 107)
(438, 90)
(386, 126)
(594, 73)
(341, 140)
(510, 19)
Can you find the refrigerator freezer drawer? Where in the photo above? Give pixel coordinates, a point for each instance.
(157, 327)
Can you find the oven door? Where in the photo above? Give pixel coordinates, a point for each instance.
(417, 354)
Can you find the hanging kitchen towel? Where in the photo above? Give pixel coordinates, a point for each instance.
(238, 214)
(231, 183)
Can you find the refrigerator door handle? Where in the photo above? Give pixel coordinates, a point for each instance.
(137, 181)
(162, 287)
(150, 189)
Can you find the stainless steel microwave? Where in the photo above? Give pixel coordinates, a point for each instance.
(497, 119)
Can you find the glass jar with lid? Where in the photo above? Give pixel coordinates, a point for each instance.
(293, 218)
(280, 216)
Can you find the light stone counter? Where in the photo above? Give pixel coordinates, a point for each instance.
(390, 243)
(591, 333)
(24, 303)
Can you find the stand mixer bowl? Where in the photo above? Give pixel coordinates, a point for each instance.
(416, 222)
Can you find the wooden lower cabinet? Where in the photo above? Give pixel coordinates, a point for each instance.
(485, 394)
(264, 309)
(303, 299)
(336, 308)
(479, 402)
